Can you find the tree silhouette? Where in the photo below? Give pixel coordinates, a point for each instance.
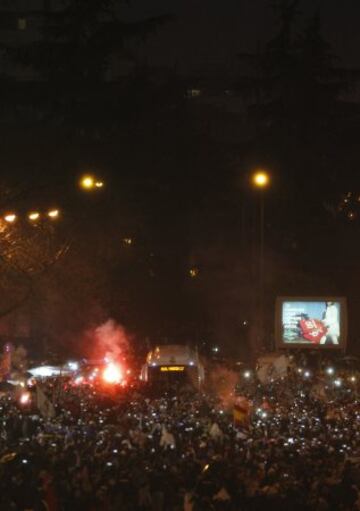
(27, 250)
(296, 78)
(79, 39)
(75, 59)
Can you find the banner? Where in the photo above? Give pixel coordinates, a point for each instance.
(272, 367)
(44, 405)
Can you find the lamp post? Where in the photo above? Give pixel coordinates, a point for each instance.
(90, 183)
(261, 180)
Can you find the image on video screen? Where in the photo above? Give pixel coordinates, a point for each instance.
(312, 323)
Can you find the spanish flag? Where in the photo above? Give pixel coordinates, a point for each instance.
(241, 410)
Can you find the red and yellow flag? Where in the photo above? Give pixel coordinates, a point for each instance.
(241, 410)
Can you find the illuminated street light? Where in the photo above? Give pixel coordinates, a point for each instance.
(89, 183)
(127, 241)
(33, 216)
(10, 218)
(330, 370)
(260, 179)
(247, 374)
(53, 213)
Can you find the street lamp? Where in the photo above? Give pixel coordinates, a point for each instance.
(89, 183)
(261, 180)
(10, 218)
(53, 213)
(33, 216)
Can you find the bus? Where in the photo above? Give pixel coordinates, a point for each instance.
(173, 363)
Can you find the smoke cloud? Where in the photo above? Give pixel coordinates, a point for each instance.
(110, 341)
(223, 382)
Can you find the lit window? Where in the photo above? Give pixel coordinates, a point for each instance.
(194, 93)
(194, 272)
(21, 23)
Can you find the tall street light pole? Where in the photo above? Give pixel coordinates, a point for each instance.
(261, 180)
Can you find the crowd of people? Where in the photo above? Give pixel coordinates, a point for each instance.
(180, 450)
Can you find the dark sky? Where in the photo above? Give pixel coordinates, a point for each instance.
(209, 33)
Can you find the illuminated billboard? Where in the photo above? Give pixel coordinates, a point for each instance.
(311, 322)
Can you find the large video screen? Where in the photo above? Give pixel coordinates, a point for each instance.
(311, 322)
